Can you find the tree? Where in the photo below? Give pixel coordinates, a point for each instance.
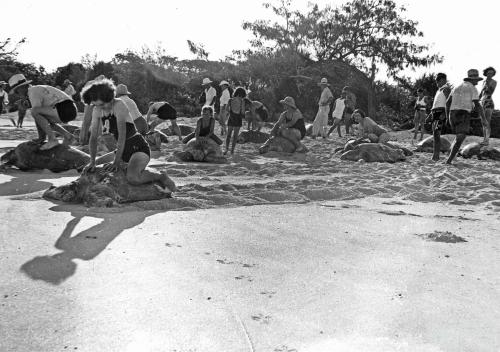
(8, 50)
(198, 49)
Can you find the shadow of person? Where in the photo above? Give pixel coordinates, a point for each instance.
(85, 245)
(24, 182)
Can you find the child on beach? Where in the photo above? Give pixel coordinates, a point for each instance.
(132, 148)
(164, 111)
(49, 107)
(236, 108)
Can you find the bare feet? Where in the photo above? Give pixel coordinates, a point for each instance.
(50, 145)
(167, 182)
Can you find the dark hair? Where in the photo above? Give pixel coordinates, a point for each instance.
(360, 111)
(208, 107)
(240, 92)
(441, 76)
(420, 90)
(103, 90)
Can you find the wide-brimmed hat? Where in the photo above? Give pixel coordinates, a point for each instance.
(473, 75)
(289, 101)
(17, 81)
(485, 71)
(206, 81)
(324, 81)
(121, 89)
(223, 83)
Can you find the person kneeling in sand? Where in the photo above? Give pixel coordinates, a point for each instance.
(290, 125)
(132, 148)
(164, 111)
(49, 107)
(204, 126)
(369, 128)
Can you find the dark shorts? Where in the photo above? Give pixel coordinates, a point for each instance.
(135, 144)
(235, 120)
(263, 114)
(438, 119)
(301, 126)
(66, 110)
(167, 112)
(460, 121)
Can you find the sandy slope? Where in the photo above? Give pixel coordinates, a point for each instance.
(281, 253)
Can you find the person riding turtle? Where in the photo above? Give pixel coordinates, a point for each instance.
(290, 125)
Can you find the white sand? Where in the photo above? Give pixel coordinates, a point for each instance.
(266, 253)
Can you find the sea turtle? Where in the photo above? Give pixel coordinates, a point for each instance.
(253, 137)
(104, 189)
(427, 145)
(480, 151)
(202, 149)
(278, 144)
(351, 143)
(28, 156)
(374, 152)
(185, 130)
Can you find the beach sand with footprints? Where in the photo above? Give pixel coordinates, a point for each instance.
(268, 252)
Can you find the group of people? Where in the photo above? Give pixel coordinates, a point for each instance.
(108, 108)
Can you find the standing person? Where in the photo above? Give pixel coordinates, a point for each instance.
(131, 147)
(49, 107)
(438, 112)
(420, 113)
(139, 120)
(486, 98)
(164, 111)
(338, 113)
(369, 128)
(236, 108)
(223, 101)
(68, 88)
(462, 100)
(4, 97)
(350, 105)
(290, 125)
(321, 121)
(209, 93)
(22, 106)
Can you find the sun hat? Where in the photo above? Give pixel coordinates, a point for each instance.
(223, 83)
(485, 71)
(121, 89)
(473, 75)
(289, 101)
(206, 81)
(17, 81)
(324, 81)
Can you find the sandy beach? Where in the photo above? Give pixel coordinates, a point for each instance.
(274, 252)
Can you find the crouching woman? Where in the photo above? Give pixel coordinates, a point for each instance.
(132, 148)
(291, 124)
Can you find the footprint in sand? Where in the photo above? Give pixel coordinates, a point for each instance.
(284, 348)
(243, 277)
(269, 294)
(261, 318)
(172, 245)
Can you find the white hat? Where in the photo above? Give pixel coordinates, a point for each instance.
(324, 81)
(289, 101)
(121, 89)
(206, 81)
(223, 82)
(17, 81)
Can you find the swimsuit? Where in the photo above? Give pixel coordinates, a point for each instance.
(236, 118)
(134, 142)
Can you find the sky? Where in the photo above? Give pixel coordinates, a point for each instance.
(62, 31)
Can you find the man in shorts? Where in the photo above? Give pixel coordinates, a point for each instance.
(49, 107)
(462, 100)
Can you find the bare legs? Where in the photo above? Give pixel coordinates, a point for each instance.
(47, 120)
(419, 124)
(436, 133)
(228, 138)
(455, 147)
(487, 125)
(176, 129)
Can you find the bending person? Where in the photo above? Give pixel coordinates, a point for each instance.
(290, 125)
(139, 120)
(132, 148)
(164, 111)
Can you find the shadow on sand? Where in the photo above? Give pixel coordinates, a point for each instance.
(85, 245)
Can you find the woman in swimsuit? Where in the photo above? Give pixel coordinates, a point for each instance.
(291, 124)
(236, 107)
(486, 99)
(132, 148)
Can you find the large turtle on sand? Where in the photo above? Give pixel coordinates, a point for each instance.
(278, 144)
(104, 189)
(427, 145)
(185, 130)
(28, 156)
(352, 143)
(374, 152)
(480, 151)
(253, 137)
(202, 149)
